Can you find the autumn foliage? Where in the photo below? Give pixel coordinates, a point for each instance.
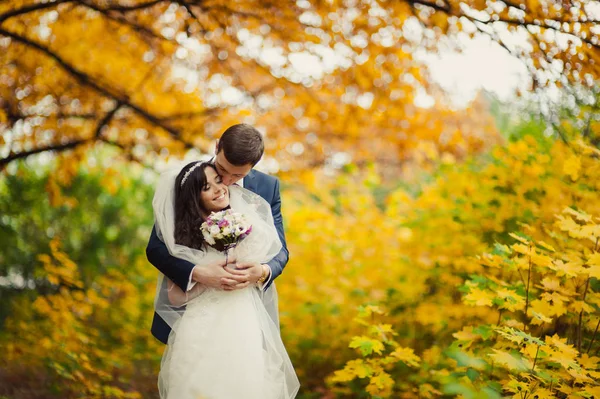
(474, 281)
(422, 253)
(156, 78)
(442, 257)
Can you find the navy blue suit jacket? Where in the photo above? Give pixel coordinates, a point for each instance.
(179, 270)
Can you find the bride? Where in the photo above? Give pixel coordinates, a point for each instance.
(223, 344)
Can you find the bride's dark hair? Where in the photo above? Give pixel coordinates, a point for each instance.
(188, 204)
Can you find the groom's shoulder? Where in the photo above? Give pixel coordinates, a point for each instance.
(264, 178)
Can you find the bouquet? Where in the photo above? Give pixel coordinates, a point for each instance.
(224, 230)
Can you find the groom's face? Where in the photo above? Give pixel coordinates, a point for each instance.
(230, 173)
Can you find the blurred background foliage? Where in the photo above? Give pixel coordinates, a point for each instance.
(437, 250)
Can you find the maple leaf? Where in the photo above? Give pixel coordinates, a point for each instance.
(369, 310)
(512, 362)
(524, 249)
(407, 356)
(561, 352)
(553, 284)
(519, 336)
(588, 362)
(569, 225)
(591, 392)
(366, 345)
(594, 265)
(466, 334)
(510, 300)
(590, 231)
(541, 260)
(572, 167)
(479, 297)
(578, 374)
(545, 246)
(384, 331)
(581, 306)
(380, 384)
(571, 269)
(542, 393)
(579, 215)
(520, 237)
(546, 309)
(538, 318)
(352, 369)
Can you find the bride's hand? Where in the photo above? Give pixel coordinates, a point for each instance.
(254, 270)
(215, 274)
(246, 273)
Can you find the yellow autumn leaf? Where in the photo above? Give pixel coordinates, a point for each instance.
(519, 238)
(569, 269)
(466, 334)
(539, 318)
(579, 215)
(380, 385)
(366, 345)
(591, 391)
(479, 297)
(590, 231)
(589, 362)
(407, 356)
(511, 362)
(569, 225)
(352, 369)
(572, 167)
(545, 246)
(526, 250)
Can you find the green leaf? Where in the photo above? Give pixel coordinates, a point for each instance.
(472, 374)
(485, 331)
(366, 345)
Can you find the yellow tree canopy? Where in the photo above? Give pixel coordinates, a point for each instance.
(158, 77)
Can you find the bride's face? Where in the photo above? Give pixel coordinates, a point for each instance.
(215, 195)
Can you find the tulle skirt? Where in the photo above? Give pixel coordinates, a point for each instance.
(226, 347)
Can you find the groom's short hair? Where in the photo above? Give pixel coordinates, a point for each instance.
(242, 145)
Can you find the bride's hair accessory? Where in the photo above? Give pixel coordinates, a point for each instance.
(189, 172)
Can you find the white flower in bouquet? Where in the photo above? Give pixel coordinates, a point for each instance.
(225, 229)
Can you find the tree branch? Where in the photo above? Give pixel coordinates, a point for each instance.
(30, 8)
(87, 80)
(134, 7)
(122, 20)
(53, 147)
(106, 119)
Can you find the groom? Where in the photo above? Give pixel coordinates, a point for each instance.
(239, 149)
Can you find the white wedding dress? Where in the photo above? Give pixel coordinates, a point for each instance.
(223, 344)
(219, 351)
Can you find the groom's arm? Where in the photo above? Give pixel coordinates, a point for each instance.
(178, 270)
(281, 259)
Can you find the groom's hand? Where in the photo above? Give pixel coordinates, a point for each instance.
(246, 273)
(213, 274)
(237, 279)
